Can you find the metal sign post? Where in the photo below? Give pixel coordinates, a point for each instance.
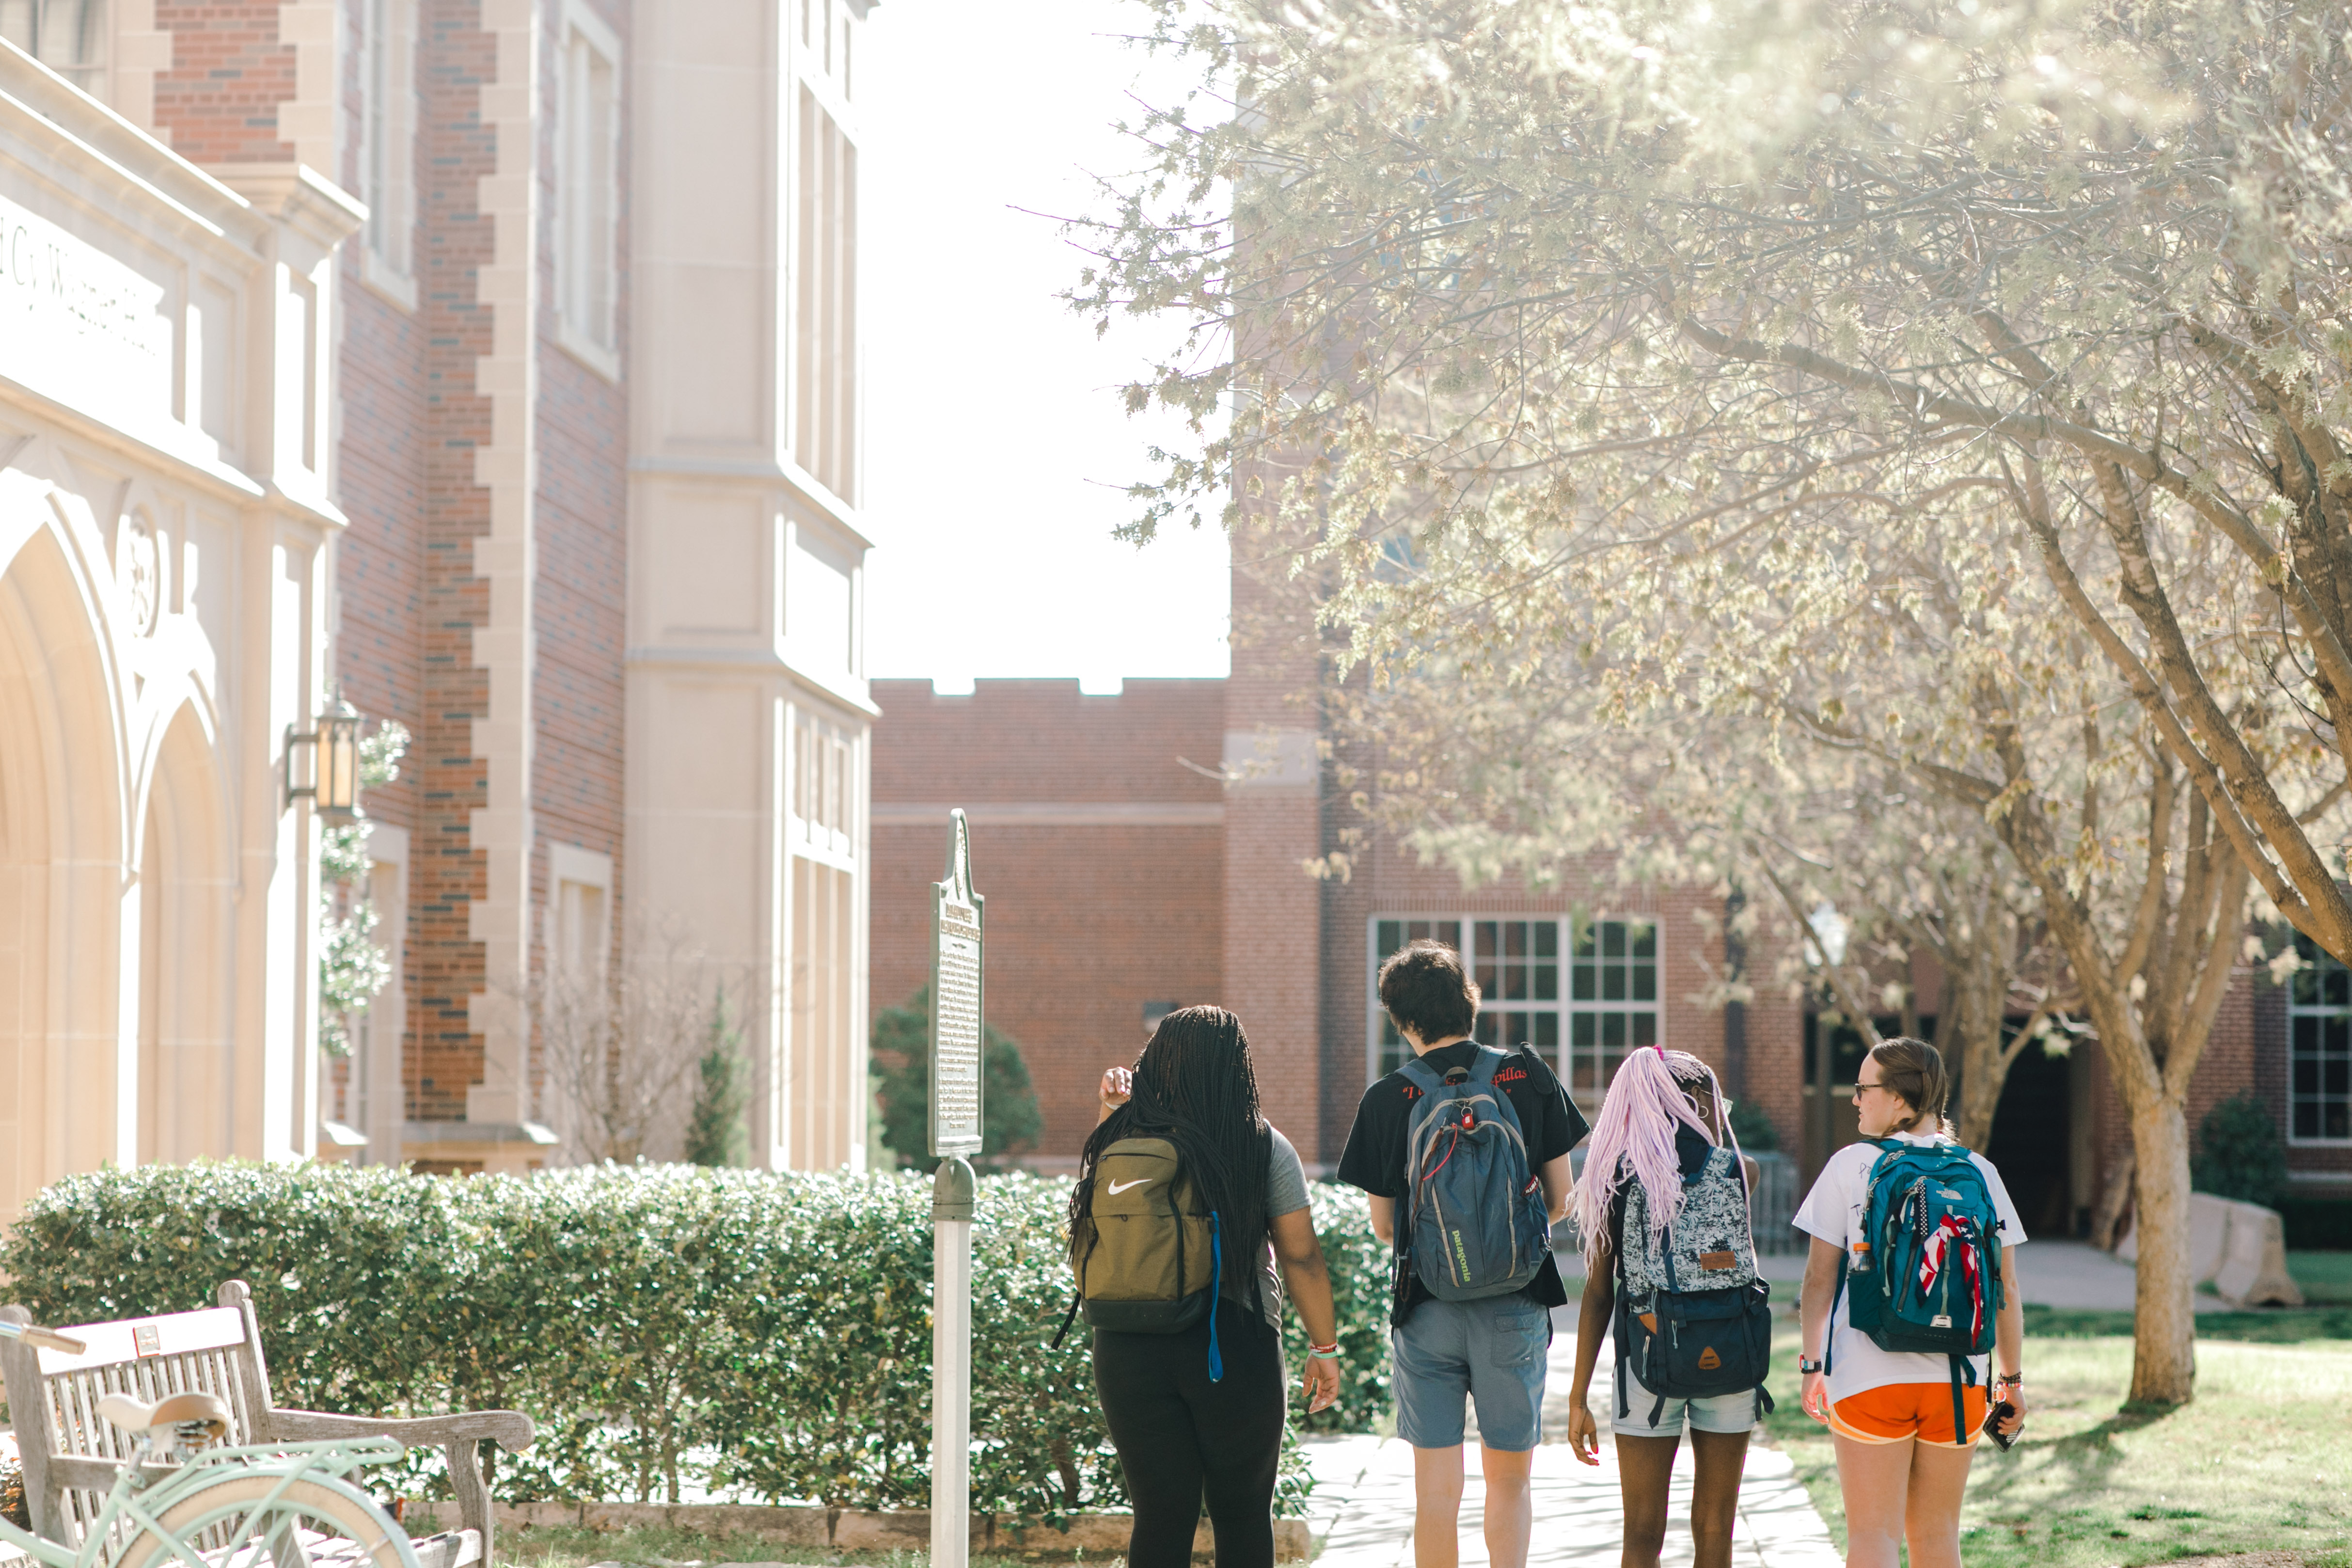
(956, 1036)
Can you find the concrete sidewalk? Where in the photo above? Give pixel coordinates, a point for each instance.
(1361, 1511)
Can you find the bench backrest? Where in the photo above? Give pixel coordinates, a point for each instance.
(53, 1397)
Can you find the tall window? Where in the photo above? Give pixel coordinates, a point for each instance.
(2319, 1048)
(1582, 993)
(388, 130)
(66, 36)
(588, 192)
(824, 382)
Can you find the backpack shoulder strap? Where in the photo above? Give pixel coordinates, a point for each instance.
(1486, 1065)
(1422, 1074)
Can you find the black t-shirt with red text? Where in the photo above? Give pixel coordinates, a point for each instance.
(1375, 1153)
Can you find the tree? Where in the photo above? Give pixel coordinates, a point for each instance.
(1010, 1118)
(623, 1053)
(715, 1131)
(1949, 385)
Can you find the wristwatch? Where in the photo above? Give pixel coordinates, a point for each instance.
(1805, 1364)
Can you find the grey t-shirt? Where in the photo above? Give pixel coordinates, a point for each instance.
(1285, 1192)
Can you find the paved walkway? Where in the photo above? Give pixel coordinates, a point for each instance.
(1363, 1506)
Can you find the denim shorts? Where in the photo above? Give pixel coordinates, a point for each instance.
(1716, 1413)
(1493, 1351)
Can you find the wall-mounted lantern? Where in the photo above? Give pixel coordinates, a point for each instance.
(330, 773)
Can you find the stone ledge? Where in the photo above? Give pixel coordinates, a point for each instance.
(840, 1528)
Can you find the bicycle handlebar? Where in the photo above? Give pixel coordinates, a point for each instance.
(42, 1339)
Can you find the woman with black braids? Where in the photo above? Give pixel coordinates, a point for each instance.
(1182, 1431)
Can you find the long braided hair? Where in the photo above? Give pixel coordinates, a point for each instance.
(1196, 1086)
(1633, 1138)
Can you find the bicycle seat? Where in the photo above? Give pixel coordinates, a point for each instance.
(162, 1419)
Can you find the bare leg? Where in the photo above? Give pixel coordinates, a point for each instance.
(1436, 1507)
(1510, 1505)
(1875, 1478)
(1714, 1495)
(1644, 1467)
(1931, 1518)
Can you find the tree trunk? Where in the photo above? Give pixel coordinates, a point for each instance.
(2164, 1348)
(1982, 1073)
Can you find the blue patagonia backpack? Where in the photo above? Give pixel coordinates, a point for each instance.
(1925, 1276)
(1477, 1225)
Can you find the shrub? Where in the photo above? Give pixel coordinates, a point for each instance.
(1009, 1114)
(748, 1329)
(2317, 1224)
(2239, 1153)
(715, 1131)
(1754, 1130)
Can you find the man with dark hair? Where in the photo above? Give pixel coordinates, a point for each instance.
(1492, 1351)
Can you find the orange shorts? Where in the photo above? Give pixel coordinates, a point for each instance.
(1900, 1410)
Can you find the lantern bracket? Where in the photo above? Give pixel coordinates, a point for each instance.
(331, 749)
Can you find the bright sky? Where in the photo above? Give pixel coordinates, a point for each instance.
(995, 447)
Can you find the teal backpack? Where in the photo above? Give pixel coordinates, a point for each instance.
(1925, 1276)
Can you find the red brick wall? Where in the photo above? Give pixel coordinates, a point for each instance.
(581, 520)
(218, 104)
(1086, 924)
(382, 558)
(453, 242)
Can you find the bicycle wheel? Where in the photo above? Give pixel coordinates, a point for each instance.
(315, 1522)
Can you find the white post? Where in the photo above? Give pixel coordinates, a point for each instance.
(951, 1196)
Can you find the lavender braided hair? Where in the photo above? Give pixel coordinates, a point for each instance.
(1635, 1137)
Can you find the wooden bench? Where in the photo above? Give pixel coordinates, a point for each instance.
(71, 1456)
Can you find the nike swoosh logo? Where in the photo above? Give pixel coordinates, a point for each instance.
(1119, 1187)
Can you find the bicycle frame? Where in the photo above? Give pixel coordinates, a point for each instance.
(140, 1496)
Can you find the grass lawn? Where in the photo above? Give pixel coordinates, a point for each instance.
(2259, 1461)
(2325, 1276)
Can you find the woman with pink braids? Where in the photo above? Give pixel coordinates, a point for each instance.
(1663, 1161)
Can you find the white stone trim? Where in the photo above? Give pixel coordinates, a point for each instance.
(140, 51)
(311, 122)
(507, 466)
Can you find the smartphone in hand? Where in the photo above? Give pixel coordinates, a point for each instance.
(1999, 1413)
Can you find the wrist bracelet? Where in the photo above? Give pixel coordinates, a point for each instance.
(1324, 1352)
(2015, 1379)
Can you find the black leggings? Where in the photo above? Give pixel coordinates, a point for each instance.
(1179, 1436)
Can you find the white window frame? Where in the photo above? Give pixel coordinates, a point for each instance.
(1564, 1006)
(390, 114)
(87, 74)
(588, 193)
(567, 865)
(2316, 964)
(823, 803)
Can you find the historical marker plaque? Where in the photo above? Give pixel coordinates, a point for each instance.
(956, 1012)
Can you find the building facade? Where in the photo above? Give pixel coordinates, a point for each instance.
(492, 364)
(1174, 844)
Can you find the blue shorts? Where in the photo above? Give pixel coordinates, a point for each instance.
(1493, 1351)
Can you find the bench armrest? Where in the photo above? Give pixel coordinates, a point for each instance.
(512, 1430)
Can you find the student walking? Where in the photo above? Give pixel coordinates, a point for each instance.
(1464, 1153)
(1670, 1252)
(1911, 1280)
(1180, 1187)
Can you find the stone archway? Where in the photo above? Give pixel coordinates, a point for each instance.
(61, 859)
(187, 884)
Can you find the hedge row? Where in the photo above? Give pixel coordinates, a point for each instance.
(751, 1333)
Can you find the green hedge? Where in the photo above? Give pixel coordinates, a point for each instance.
(2317, 1224)
(663, 1324)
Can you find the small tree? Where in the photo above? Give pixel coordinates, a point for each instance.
(2239, 1153)
(1010, 1118)
(352, 967)
(715, 1132)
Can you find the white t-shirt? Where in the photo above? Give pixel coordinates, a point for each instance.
(1832, 1211)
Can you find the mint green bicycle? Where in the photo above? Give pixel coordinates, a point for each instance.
(183, 1501)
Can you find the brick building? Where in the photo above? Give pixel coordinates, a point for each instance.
(497, 360)
(1152, 848)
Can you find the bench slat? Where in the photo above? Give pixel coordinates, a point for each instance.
(176, 1334)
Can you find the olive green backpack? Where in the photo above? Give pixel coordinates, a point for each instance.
(1147, 1254)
